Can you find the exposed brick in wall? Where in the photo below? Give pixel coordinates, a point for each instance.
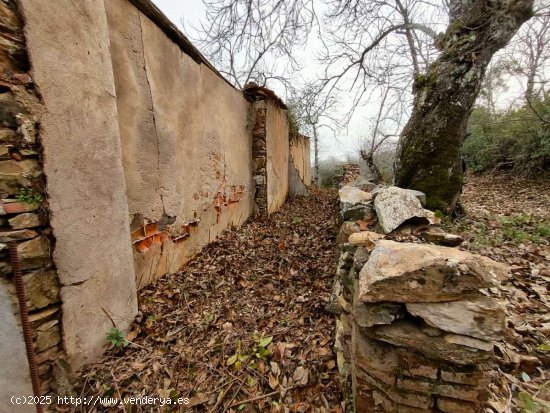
(24, 207)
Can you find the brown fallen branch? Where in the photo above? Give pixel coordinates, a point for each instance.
(263, 396)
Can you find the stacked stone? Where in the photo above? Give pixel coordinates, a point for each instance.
(352, 172)
(259, 155)
(23, 216)
(418, 334)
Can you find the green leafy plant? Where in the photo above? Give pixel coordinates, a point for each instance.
(258, 350)
(117, 338)
(28, 196)
(527, 403)
(238, 358)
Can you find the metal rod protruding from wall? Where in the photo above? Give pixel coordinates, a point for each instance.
(25, 323)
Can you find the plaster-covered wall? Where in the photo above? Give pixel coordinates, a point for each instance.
(277, 157)
(68, 45)
(300, 157)
(187, 153)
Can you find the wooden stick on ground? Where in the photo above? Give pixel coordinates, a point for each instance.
(263, 396)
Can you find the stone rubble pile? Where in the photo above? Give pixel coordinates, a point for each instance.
(415, 330)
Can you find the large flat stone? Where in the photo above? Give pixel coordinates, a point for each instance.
(479, 317)
(394, 206)
(350, 196)
(413, 273)
(17, 235)
(404, 333)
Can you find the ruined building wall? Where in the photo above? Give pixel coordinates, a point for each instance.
(137, 154)
(187, 151)
(278, 153)
(300, 157)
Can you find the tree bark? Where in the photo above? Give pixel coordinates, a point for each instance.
(368, 157)
(430, 146)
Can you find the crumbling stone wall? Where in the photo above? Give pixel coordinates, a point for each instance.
(272, 169)
(259, 153)
(415, 326)
(24, 219)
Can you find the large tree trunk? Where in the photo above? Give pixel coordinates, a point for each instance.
(430, 146)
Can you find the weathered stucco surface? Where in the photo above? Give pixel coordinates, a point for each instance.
(300, 157)
(277, 157)
(15, 380)
(83, 164)
(186, 149)
(147, 155)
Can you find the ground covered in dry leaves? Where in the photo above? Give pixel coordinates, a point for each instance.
(508, 219)
(243, 326)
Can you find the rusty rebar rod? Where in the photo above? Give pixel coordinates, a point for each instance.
(25, 323)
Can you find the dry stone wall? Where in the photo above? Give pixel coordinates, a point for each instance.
(415, 327)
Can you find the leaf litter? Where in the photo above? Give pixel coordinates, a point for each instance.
(508, 220)
(242, 327)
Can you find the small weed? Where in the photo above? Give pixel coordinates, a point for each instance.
(297, 220)
(517, 236)
(542, 230)
(116, 338)
(208, 319)
(27, 196)
(527, 404)
(258, 350)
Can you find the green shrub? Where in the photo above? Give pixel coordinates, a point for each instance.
(516, 139)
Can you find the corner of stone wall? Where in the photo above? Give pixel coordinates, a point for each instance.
(23, 206)
(415, 324)
(259, 155)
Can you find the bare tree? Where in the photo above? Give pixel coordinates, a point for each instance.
(255, 40)
(385, 125)
(315, 111)
(529, 53)
(367, 38)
